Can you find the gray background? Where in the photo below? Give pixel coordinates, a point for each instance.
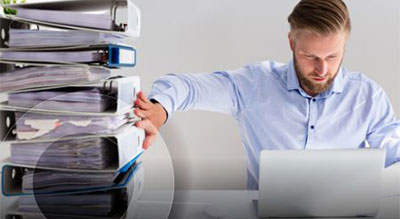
(209, 35)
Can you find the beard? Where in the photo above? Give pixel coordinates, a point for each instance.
(308, 85)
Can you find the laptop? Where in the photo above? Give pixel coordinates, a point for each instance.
(320, 183)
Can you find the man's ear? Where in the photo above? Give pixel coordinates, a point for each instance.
(291, 41)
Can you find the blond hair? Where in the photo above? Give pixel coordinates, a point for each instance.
(320, 16)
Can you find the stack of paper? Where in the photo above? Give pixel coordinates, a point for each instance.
(78, 99)
(73, 18)
(53, 57)
(48, 76)
(88, 153)
(91, 204)
(50, 126)
(50, 181)
(58, 38)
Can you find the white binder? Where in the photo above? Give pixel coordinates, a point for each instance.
(122, 92)
(124, 13)
(128, 142)
(95, 74)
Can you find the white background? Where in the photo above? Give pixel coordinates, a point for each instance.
(180, 36)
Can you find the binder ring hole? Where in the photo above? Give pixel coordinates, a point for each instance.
(8, 122)
(3, 34)
(13, 173)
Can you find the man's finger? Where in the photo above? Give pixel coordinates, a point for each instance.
(142, 105)
(143, 97)
(149, 140)
(147, 126)
(139, 113)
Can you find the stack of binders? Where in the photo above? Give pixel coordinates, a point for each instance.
(69, 145)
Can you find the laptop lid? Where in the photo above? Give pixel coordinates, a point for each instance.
(320, 183)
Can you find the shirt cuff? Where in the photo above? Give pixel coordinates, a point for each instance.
(165, 103)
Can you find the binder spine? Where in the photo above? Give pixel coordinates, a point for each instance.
(121, 56)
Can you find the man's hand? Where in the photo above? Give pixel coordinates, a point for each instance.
(153, 116)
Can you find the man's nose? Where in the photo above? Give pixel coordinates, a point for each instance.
(321, 67)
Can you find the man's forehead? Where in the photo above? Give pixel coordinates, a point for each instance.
(306, 33)
(321, 45)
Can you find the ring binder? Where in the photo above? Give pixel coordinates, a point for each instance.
(124, 13)
(127, 150)
(37, 39)
(116, 95)
(108, 55)
(36, 206)
(46, 76)
(14, 183)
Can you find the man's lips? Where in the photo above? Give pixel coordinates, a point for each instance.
(318, 79)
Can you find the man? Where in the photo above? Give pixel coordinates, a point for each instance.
(310, 103)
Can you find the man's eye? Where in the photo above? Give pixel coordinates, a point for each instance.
(331, 57)
(309, 57)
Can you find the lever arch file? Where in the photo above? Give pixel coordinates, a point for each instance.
(124, 15)
(22, 181)
(38, 38)
(98, 153)
(78, 99)
(108, 203)
(109, 55)
(47, 76)
(73, 18)
(52, 126)
(52, 57)
(113, 96)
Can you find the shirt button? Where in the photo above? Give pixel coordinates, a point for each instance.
(314, 100)
(312, 127)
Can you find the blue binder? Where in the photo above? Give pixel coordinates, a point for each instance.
(121, 56)
(107, 55)
(12, 181)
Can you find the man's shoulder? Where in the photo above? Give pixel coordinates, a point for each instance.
(267, 69)
(360, 81)
(269, 66)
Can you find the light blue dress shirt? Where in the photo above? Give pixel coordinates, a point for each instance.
(274, 113)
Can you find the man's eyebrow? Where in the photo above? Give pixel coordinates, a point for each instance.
(311, 54)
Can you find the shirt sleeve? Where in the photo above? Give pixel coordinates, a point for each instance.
(384, 130)
(218, 91)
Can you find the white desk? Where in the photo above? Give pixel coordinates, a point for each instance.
(234, 204)
(198, 204)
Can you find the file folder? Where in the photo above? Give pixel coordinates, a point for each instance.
(114, 96)
(57, 38)
(45, 76)
(12, 182)
(54, 126)
(108, 55)
(9, 120)
(124, 14)
(25, 207)
(126, 144)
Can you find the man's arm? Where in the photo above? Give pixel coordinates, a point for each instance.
(218, 92)
(384, 130)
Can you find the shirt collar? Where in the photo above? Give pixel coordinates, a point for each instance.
(292, 82)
